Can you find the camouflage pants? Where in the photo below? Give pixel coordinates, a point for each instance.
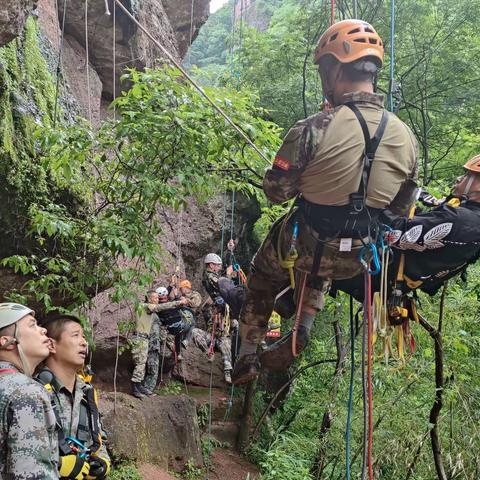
(268, 278)
(158, 341)
(202, 339)
(139, 355)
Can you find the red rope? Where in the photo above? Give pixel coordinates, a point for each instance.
(332, 14)
(298, 315)
(369, 376)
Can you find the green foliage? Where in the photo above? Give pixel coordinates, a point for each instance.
(125, 472)
(170, 388)
(166, 146)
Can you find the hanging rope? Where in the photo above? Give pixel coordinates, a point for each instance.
(60, 58)
(350, 390)
(194, 83)
(368, 292)
(232, 223)
(87, 61)
(354, 8)
(222, 240)
(392, 55)
(332, 12)
(114, 49)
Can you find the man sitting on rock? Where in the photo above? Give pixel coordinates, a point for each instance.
(81, 438)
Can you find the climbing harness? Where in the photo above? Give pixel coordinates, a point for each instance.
(197, 87)
(88, 422)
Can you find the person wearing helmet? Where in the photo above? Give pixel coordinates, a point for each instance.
(145, 340)
(437, 244)
(343, 166)
(213, 266)
(74, 400)
(28, 439)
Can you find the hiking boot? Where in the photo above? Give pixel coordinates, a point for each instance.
(228, 376)
(246, 368)
(279, 356)
(136, 392)
(143, 389)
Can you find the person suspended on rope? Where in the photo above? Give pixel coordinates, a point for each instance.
(177, 324)
(211, 274)
(81, 437)
(440, 243)
(341, 179)
(28, 440)
(142, 338)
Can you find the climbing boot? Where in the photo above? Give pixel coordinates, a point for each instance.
(279, 356)
(136, 390)
(144, 390)
(246, 368)
(228, 376)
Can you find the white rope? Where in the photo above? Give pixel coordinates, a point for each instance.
(87, 54)
(193, 82)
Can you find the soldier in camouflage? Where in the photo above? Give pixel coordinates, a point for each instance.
(74, 400)
(323, 163)
(28, 439)
(211, 274)
(142, 338)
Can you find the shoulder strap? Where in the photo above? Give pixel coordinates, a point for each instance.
(371, 144)
(45, 378)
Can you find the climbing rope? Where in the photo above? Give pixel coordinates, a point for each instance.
(209, 441)
(298, 315)
(197, 87)
(114, 50)
(332, 12)
(354, 8)
(87, 63)
(350, 390)
(392, 55)
(368, 292)
(224, 216)
(60, 57)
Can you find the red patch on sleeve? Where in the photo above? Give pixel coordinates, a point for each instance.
(281, 163)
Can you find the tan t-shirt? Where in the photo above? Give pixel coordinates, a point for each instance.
(322, 158)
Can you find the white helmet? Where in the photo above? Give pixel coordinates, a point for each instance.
(213, 258)
(11, 313)
(162, 291)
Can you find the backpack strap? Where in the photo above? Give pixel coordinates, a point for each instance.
(357, 199)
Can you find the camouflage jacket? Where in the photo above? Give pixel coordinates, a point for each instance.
(28, 438)
(74, 414)
(325, 165)
(210, 282)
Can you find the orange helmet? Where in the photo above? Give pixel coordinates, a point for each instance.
(473, 165)
(350, 40)
(185, 284)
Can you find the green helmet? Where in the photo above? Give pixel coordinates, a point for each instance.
(11, 313)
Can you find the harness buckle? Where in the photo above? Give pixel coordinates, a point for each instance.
(357, 201)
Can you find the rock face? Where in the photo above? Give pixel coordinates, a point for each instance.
(13, 14)
(159, 430)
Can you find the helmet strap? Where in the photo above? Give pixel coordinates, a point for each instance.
(467, 188)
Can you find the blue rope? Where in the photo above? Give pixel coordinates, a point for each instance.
(350, 390)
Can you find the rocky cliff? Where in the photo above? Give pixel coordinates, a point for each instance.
(86, 87)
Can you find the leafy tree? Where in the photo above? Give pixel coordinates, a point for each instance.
(166, 146)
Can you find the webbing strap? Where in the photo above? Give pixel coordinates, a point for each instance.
(8, 370)
(371, 144)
